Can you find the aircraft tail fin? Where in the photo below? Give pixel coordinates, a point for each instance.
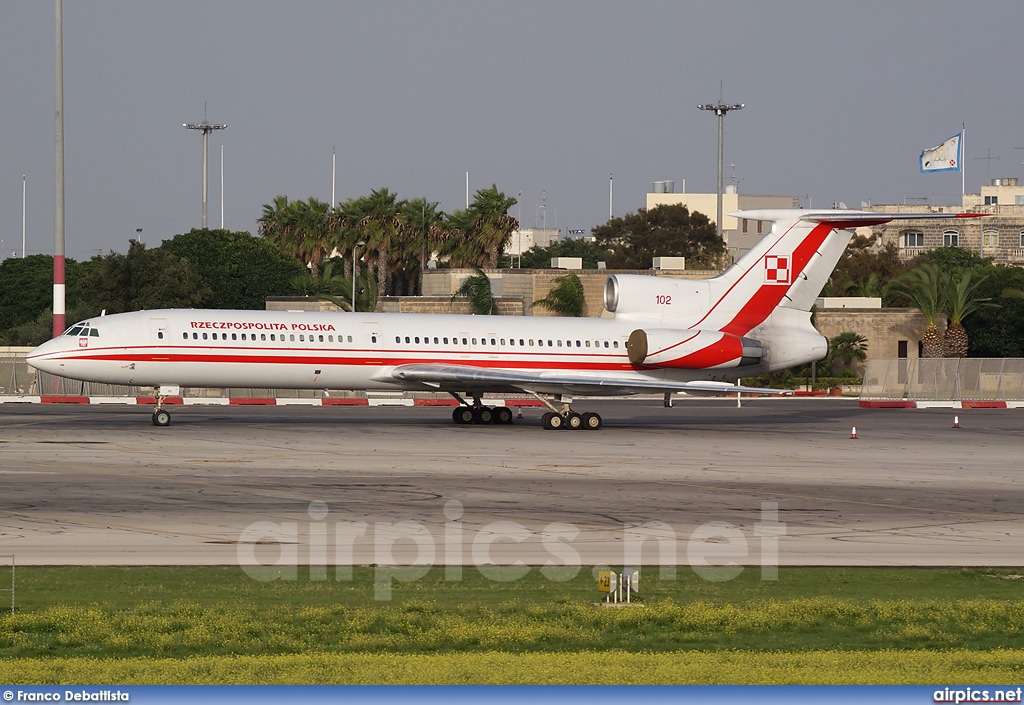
(790, 265)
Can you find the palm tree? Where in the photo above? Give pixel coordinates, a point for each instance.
(926, 288)
(872, 287)
(324, 282)
(477, 288)
(426, 229)
(383, 230)
(566, 297)
(963, 301)
(300, 228)
(482, 230)
(847, 347)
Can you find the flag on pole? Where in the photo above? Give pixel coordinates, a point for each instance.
(945, 157)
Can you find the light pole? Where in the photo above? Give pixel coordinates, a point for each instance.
(720, 109)
(354, 248)
(206, 128)
(138, 231)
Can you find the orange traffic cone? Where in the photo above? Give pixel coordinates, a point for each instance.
(520, 415)
(853, 432)
(956, 420)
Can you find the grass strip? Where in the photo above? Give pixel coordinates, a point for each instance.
(841, 667)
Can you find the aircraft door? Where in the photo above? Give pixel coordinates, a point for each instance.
(158, 329)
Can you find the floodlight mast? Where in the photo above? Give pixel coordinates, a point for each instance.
(720, 109)
(206, 128)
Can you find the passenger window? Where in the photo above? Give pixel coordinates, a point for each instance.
(445, 341)
(606, 343)
(205, 336)
(291, 337)
(184, 336)
(521, 341)
(493, 342)
(321, 339)
(243, 336)
(350, 338)
(263, 336)
(615, 344)
(195, 336)
(464, 342)
(407, 339)
(373, 338)
(234, 336)
(160, 335)
(474, 341)
(549, 344)
(435, 340)
(417, 339)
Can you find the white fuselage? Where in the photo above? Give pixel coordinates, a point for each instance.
(307, 350)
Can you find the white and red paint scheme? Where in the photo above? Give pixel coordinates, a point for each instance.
(665, 335)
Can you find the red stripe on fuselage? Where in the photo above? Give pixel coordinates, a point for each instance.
(358, 358)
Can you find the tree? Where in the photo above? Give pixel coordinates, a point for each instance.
(481, 232)
(952, 259)
(337, 288)
(847, 347)
(866, 269)
(477, 288)
(540, 257)
(566, 297)
(963, 300)
(302, 229)
(426, 228)
(376, 221)
(26, 288)
(926, 288)
(241, 270)
(665, 231)
(141, 279)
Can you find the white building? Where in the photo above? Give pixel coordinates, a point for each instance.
(739, 235)
(527, 238)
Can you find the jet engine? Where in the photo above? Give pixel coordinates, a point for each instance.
(691, 349)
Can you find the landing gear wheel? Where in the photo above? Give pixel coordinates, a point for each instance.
(591, 421)
(483, 415)
(502, 415)
(552, 421)
(573, 421)
(161, 418)
(462, 415)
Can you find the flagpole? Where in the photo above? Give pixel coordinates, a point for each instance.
(963, 168)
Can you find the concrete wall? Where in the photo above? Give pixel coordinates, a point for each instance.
(529, 285)
(883, 328)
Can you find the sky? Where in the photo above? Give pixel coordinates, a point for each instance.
(552, 100)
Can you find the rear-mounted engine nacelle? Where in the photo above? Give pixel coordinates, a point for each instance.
(691, 349)
(636, 295)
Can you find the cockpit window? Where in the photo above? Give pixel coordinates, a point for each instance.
(94, 333)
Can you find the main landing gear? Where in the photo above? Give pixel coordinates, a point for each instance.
(558, 417)
(477, 413)
(565, 417)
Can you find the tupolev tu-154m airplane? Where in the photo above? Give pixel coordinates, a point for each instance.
(665, 336)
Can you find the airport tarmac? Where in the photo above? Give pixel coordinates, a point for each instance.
(777, 482)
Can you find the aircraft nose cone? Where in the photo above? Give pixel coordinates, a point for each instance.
(46, 357)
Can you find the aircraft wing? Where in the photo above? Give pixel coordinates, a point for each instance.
(465, 378)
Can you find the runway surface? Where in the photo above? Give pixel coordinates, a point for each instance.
(777, 482)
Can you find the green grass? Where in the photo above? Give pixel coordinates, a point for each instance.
(93, 619)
